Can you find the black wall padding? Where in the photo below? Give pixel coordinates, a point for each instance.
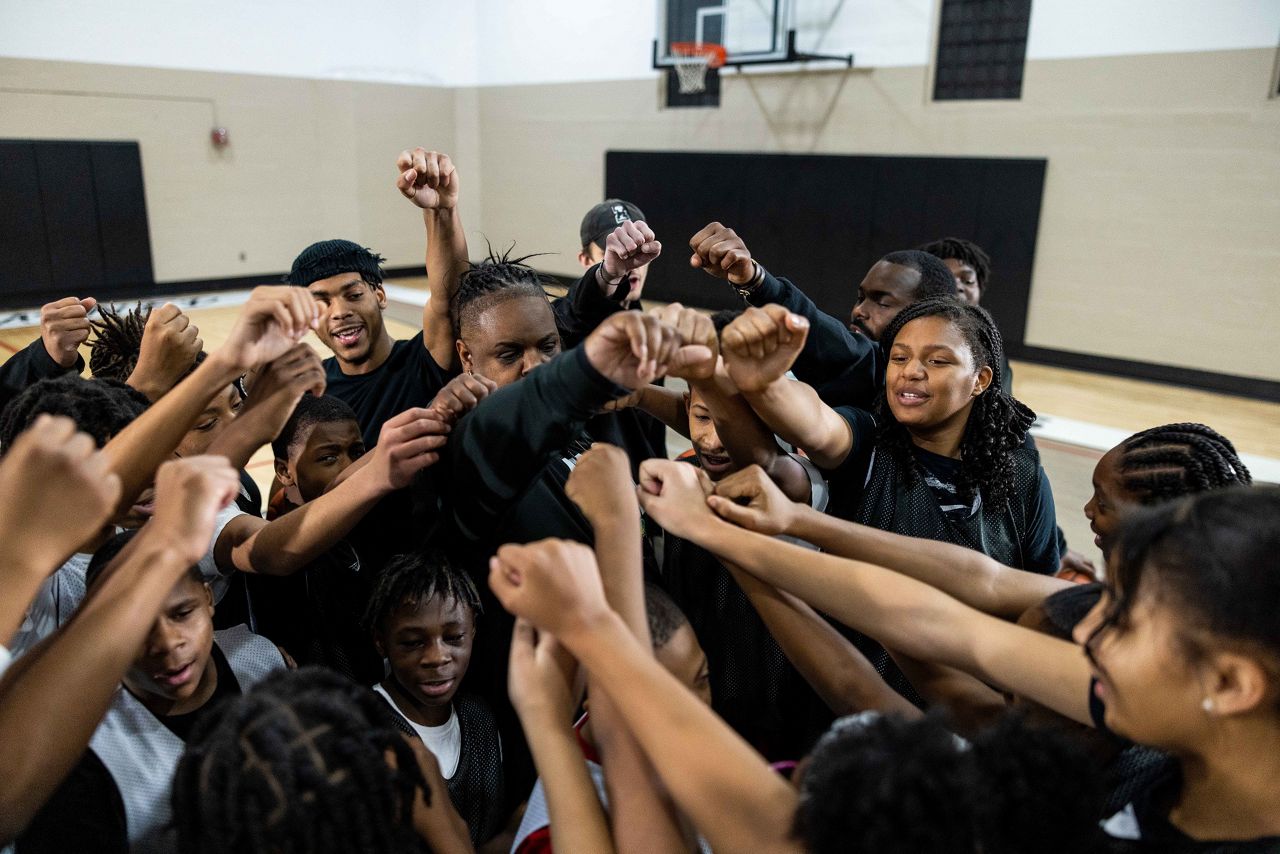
(73, 222)
(823, 220)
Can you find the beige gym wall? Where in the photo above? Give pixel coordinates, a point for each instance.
(1160, 228)
(308, 159)
(1159, 235)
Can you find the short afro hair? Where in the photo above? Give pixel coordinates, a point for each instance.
(935, 277)
(965, 251)
(101, 408)
(310, 411)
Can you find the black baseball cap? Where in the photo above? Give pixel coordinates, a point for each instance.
(605, 217)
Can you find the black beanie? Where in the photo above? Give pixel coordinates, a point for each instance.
(332, 257)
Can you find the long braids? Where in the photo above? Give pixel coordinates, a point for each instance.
(997, 424)
(1178, 459)
(298, 764)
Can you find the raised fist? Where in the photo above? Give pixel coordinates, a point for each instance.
(719, 251)
(428, 179)
(275, 318)
(694, 327)
(461, 395)
(633, 349)
(628, 247)
(407, 444)
(554, 584)
(601, 486)
(751, 500)
(760, 346)
(62, 488)
(64, 326)
(170, 344)
(189, 494)
(674, 494)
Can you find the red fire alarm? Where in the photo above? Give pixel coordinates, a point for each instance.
(220, 136)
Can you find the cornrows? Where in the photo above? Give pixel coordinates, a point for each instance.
(496, 278)
(298, 764)
(1179, 459)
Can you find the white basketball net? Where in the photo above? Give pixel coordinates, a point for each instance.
(691, 73)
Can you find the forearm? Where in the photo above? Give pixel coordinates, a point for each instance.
(966, 574)
(446, 261)
(576, 816)
(971, 704)
(53, 698)
(666, 405)
(242, 438)
(22, 580)
(643, 818)
(909, 615)
(748, 440)
(138, 450)
(725, 787)
(793, 410)
(289, 543)
(834, 667)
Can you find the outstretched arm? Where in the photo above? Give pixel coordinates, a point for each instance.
(430, 180)
(747, 498)
(759, 348)
(717, 779)
(831, 351)
(644, 819)
(900, 612)
(836, 669)
(76, 670)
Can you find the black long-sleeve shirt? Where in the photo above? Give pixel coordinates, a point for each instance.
(29, 366)
(844, 368)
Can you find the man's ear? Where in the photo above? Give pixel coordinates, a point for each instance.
(983, 380)
(464, 354)
(377, 643)
(282, 472)
(380, 295)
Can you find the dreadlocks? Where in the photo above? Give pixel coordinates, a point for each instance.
(297, 764)
(113, 352)
(997, 424)
(1178, 459)
(495, 279)
(415, 578)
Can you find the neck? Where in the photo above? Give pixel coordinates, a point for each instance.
(419, 713)
(378, 354)
(1229, 790)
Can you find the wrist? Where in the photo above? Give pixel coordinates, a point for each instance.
(749, 287)
(591, 631)
(61, 358)
(220, 368)
(801, 523)
(606, 281)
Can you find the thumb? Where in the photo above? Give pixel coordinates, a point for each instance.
(797, 322)
(743, 517)
(691, 354)
(89, 303)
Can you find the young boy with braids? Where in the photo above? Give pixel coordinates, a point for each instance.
(423, 613)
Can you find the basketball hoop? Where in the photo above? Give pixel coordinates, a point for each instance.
(691, 61)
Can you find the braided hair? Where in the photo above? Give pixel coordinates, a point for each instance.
(997, 424)
(101, 408)
(418, 577)
(298, 764)
(1178, 459)
(495, 279)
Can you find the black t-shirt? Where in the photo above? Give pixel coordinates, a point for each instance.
(86, 812)
(408, 378)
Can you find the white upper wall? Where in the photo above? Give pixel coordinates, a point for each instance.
(503, 42)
